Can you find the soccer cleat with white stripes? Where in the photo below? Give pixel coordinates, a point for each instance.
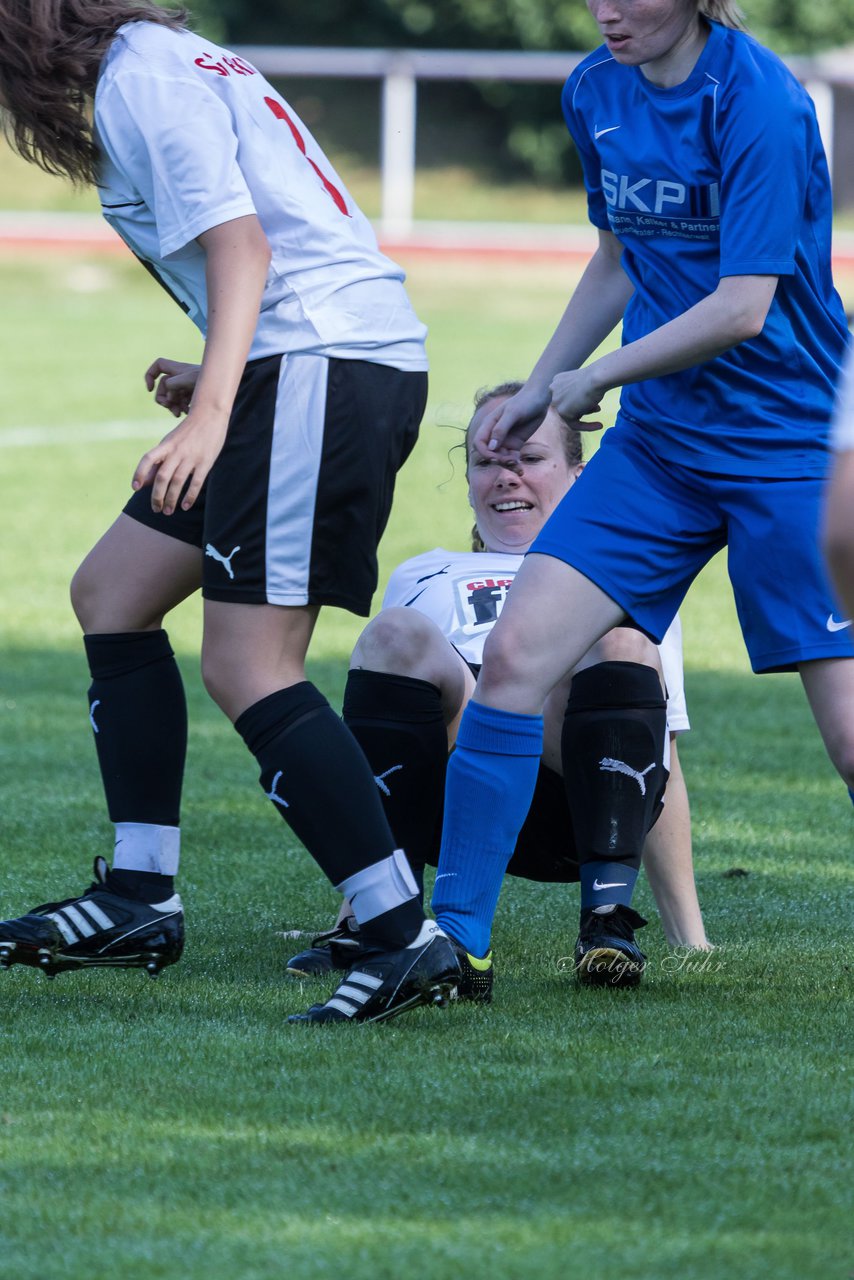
(382, 984)
(98, 929)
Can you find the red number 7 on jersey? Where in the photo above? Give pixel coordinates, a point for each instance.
(281, 114)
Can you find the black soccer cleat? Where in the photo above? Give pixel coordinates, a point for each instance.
(100, 929)
(606, 954)
(475, 983)
(383, 984)
(339, 948)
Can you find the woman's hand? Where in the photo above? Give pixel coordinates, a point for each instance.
(185, 455)
(509, 423)
(574, 394)
(173, 383)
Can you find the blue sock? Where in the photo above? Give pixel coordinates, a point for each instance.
(491, 779)
(604, 883)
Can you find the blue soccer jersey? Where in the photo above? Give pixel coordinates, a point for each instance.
(722, 175)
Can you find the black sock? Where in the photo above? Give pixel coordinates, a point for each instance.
(399, 724)
(317, 777)
(612, 750)
(139, 714)
(142, 886)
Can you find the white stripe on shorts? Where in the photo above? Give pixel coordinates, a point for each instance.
(294, 468)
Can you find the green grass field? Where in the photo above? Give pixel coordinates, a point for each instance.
(696, 1129)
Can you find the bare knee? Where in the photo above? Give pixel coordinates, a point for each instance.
(234, 677)
(132, 577)
(507, 678)
(250, 652)
(401, 642)
(625, 644)
(234, 680)
(841, 753)
(83, 593)
(838, 735)
(103, 607)
(215, 676)
(829, 685)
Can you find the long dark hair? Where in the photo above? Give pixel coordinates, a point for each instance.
(570, 437)
(50, 53)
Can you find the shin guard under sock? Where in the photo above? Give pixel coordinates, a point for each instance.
(314, 772)
(138, 713)
(491, 778)
(613, 749)
(399, 724)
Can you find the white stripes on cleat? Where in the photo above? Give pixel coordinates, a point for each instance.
(354, 992)
(73, 924)
(84, 918)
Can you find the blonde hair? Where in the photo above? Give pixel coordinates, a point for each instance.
(726, 12)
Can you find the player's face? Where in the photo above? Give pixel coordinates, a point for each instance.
(511, 503)
(644, 31)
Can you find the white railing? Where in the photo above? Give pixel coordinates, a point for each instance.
(401, 69)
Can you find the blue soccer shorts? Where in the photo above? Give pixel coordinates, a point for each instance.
(642, 527)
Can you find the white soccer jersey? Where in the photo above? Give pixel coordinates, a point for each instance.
(842, 437)
(192, 137)
(464, 593)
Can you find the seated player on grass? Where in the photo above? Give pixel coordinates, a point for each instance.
(604, 765)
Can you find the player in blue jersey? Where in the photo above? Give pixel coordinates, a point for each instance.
(708, 184)
(307, 400)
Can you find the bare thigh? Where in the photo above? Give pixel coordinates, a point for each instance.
(550, 620)
(132, 577)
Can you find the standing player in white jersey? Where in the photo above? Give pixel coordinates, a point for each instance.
(708, 184)
(307, 401)
(609, 743)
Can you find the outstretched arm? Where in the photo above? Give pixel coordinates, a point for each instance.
(733, 313)
(736, 311)
(669, 865)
